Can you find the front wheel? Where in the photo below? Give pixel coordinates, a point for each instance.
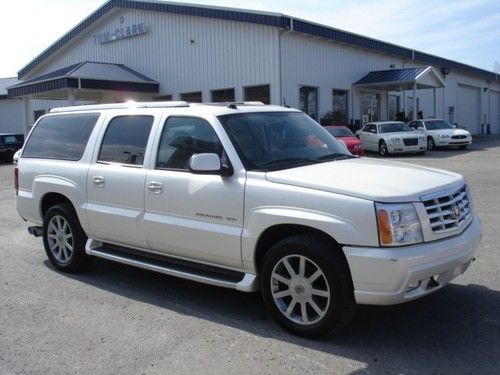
(306, 286)
(64, 239)
(382, 149)
(431, 145)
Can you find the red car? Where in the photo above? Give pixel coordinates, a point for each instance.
(342, 133)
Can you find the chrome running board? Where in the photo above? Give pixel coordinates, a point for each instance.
(244, 282)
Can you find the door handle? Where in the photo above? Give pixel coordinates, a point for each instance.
(98, 181)
(155, 187)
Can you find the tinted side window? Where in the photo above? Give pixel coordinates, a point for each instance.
(181, 138)
(61, 137)
(125, 140)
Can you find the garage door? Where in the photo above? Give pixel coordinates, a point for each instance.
(468, 108)
(495, 112)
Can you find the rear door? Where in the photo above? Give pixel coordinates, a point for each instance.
(196, 216)
(115, 182)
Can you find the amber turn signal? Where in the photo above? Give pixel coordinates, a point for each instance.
(384, 227)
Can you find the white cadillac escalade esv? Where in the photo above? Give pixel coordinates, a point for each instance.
(243, 196)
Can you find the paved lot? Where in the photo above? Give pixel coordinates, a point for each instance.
(116, 319)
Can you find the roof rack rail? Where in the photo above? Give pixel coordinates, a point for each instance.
(127, 105)
(233, 105)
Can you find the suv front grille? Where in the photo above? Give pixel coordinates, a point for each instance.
(410, 141)
(448, 211)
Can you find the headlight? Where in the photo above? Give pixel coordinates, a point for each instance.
(398, 224)
(396, 140)
(444, 136)
(422, 139)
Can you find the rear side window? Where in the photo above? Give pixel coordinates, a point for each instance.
(126, 139)
(61, 137)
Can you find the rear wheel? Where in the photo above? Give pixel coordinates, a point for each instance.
(306, 286)
(431, 145)
(64, 239)
(382, 149)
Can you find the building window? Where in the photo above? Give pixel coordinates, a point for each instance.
(370, 107)
(38, 113)
(309, 101)
(162, 98)
(258, 94)
(222, 96)
(394, 106)
(192, 97)
(339, 107)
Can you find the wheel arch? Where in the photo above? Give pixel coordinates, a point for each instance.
(278, 232)
(51, 199)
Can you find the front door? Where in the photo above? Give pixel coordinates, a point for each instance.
(115, 182)
(197, 216)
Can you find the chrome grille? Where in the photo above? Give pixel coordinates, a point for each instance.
(449, 210)
(410, 141)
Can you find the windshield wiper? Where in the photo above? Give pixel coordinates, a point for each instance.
(335, 156)
(294, 162)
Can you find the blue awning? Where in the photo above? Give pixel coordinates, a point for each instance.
(88, 75)
(402, 79)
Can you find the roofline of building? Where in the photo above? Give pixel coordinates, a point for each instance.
(261, 18)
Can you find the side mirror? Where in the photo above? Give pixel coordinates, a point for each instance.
(208, 164)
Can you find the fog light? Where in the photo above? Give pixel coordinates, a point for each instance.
(413, 286)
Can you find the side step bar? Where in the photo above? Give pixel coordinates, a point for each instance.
(244, 282)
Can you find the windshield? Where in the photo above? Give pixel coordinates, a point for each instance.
(393, 127)
(280, 140)
(437, 125)
(340, 132)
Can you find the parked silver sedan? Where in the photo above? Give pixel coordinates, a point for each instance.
(390, 137)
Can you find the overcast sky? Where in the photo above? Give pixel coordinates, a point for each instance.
(464, 30)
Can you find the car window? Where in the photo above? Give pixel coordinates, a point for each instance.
(280, 140)
(340, 132)
(125, 140)
(60, 137)
(181, 138)
(438, 125)
(393, 127)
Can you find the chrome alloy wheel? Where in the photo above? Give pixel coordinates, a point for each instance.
(300, 289)
(60, 239)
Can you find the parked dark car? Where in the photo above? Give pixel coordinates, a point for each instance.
(9, 144)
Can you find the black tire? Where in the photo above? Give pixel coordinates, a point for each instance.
(382, 149)
(462, 147)
(320, 253)
(431, 145)
(78, 259)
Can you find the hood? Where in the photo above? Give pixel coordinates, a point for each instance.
(372, 179)
(401, 134)
(451, 132)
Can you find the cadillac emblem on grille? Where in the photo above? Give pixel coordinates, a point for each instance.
(455, 211)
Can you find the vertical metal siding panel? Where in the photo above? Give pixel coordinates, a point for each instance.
(225, 53)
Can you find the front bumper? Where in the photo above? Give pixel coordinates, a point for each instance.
(448, 142)
(388, 276)
(401, 148)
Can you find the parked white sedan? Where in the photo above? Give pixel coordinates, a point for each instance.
(388, 137)
(440, 133)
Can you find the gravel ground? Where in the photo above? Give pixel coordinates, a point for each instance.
(115, 319)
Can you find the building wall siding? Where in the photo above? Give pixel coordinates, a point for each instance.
(223, 54)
